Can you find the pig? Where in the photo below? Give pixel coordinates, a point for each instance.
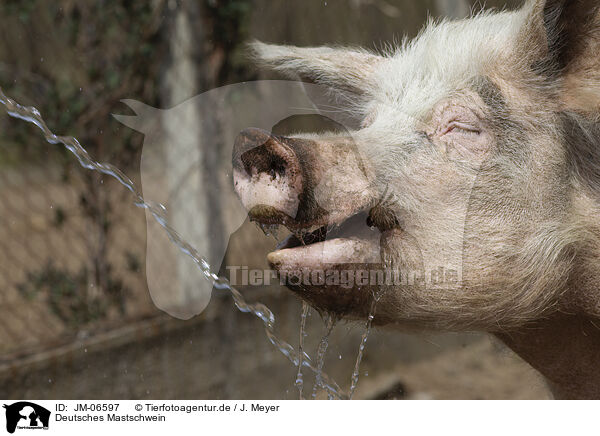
(474, 154)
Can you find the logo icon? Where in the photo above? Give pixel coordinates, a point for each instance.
(26, 415)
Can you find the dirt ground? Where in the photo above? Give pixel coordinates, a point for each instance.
(484, 370)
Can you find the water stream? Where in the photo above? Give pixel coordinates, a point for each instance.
(321, 350)
(159, 213)
(368, 326)
(299, 376)
(361, 349)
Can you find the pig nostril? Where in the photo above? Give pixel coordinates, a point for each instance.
(260, 161)
(267, 176)
(278, 166)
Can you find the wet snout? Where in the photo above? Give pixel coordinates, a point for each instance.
(298, 182)
(268, 176)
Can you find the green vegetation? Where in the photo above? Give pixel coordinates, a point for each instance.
(71, 297)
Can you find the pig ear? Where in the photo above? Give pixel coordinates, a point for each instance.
(566, 38)
(341, 69)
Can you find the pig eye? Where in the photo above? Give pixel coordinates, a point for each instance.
(463, 128)
(462, 132)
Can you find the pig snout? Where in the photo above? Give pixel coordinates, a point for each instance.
(320, 189)
(298, 182)
(267, 176)
(270, 176)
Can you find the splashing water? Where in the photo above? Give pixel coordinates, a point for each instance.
(271, 230)
(299, 376)
(321, 350)
(363, 342)
(361, 349)
(159, 213)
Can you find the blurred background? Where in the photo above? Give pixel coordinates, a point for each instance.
(76, 317)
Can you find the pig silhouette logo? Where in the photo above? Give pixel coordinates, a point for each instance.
(26, 415)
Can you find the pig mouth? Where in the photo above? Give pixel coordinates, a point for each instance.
(315, 234)
(349, 243)
(321, 264)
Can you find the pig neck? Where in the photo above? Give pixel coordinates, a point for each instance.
(565, 349)
(565, 346)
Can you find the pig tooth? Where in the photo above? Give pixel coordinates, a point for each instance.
(262, 227)
(269, 229)
(287, 242)
(265, 228)
(330, 228)
(275, 232)
(298, 234)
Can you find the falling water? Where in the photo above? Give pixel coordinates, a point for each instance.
(159, 213)
(363, 342)
(299, 376)
(361, 350)
(321, 350)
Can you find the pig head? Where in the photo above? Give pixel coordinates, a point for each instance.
(475, 159)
